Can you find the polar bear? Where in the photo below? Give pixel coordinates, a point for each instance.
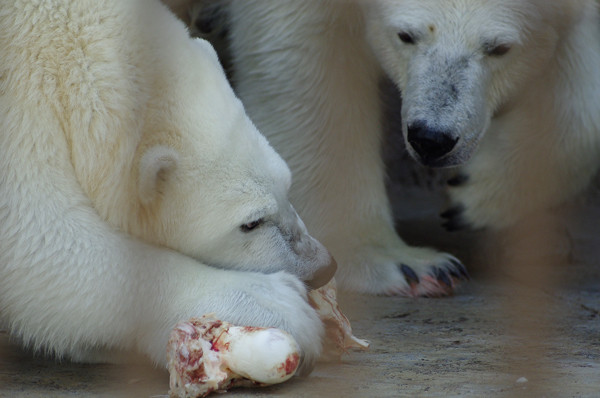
(131, 200)
(507, 92)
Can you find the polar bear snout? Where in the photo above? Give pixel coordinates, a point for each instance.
(429, 143)
(323, 275)
(317, 265)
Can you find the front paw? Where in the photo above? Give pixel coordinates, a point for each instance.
(279, 300)
(477, 203)
(403, 271)
(455, 218)
(436, 280)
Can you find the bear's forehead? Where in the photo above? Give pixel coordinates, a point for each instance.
(457, 14)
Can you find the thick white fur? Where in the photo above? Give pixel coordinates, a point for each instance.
(308, 72)
(120, 182)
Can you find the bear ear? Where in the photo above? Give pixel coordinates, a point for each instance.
(155, 167)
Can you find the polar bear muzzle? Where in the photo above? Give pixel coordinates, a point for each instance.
(323, 275)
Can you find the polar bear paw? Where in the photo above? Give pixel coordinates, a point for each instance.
(279, 300)
(430, 274)
(410, 272)
(438, 281)
(477, 202)
(454, 216)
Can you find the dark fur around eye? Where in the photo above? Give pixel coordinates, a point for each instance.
(251, 225)
(497, 50)
(406, 38)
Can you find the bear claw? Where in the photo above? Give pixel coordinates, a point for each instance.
(443, 277)
(454, 219)
(461, 269)
(409, 274)
(438, 281)
(454, 273)
(457, 180)
(453, 212)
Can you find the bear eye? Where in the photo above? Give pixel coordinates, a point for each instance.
(406, 38)
(498, 51)
(251, 225)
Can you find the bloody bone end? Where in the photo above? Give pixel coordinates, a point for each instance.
(205, 355)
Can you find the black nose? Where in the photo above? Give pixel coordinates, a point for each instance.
(430, 143)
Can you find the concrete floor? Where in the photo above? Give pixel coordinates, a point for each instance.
(460, 347)
(505, 333)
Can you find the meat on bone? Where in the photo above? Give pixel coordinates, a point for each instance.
(206, 355)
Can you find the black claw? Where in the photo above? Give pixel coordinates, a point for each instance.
(454, 218)
(453, 212)
(456, 270)
(456, 224)
(409, 274)
(457, 180)
(443, 277)
(454, 273)
(461, 268)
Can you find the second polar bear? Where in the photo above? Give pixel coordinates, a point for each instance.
(507, 90)
(131, 200)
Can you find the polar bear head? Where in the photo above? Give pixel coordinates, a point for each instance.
(460, 63)
(186, 168)
(209, 183)
(165, 151)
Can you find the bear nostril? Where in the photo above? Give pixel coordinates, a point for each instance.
(431, 144)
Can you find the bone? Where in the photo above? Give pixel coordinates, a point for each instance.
(207, 355)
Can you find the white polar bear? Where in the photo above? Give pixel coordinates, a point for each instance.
(131, 200)
(508, 89)
(519, 79)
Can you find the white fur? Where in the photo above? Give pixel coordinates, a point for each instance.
(308, 73)
(118, 177)
(155, 166)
